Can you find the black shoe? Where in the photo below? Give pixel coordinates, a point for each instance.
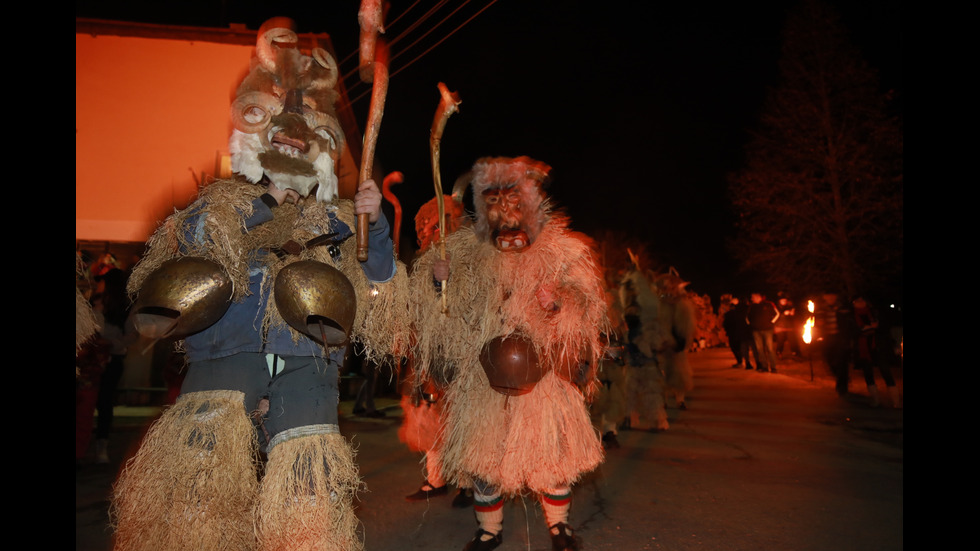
(463, 499)
(477, 544)
(736, 366)
(375, 413)
(682, 406)
(748, 366)
(609, 441)
(358, 411)
(773, 370)
(424, 494)
(564, 540)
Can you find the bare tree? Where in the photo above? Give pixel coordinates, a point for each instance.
(820, 198)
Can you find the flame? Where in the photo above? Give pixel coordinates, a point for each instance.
(808, 327)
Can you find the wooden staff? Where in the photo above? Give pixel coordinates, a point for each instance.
(373, 52)
(448, 104)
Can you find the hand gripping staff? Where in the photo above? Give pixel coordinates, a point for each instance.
(448, 104)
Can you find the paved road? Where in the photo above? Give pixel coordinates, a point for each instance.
(756, 462)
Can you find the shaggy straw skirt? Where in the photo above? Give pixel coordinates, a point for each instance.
(610, 403)
(679, 375)
(645, 395)
(537, 441)
(192, 484)
(306, 501)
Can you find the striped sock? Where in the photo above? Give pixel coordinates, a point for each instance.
(555, 504)
(489, 510)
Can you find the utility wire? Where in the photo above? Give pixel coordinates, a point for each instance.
(430, 48)
(454, 31)
(432, 10)
(393, 23)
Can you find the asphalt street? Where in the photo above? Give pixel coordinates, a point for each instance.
(757, 461)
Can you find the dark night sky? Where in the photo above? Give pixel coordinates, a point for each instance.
(641, 112)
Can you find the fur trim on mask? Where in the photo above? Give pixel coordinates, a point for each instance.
(529, 175)
(267, 102)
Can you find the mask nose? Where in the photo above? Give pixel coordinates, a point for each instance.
(294, 102)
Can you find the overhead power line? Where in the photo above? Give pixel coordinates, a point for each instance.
(415, 25)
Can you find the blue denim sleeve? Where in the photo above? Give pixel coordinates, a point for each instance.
(380, 264)
(195, 228)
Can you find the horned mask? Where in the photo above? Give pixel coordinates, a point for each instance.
(285, 127)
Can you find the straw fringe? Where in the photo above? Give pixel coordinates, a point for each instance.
(645, 396)
(306, 500)
(610, 403)
(227, 203)
(542, 439)
(683, 323)
(536, 441)
(86, 324)
(192, 484)
(651, 338)
(492, 294)
(380, 323)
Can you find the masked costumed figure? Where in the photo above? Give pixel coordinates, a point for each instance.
(260, 276)
(645, 388)
(678, 325)
(422, 402)
(609, 407)
(524, 312)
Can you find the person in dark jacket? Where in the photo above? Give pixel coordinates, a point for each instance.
(834, 326)
(738, 332)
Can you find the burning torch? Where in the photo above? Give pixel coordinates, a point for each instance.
(808, 334)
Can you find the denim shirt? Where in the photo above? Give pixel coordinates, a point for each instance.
(240, 329)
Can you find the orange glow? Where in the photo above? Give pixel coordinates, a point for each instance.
(151, 124)
(808, 327)
(151, 117)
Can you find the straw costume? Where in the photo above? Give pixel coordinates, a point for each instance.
(610, 408)
(518, 275)
(257, 383)
(679, 320)
(422, 403)
(645, 391)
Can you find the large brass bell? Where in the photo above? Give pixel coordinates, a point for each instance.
(511, 364)
(183, 296)
(317, 300)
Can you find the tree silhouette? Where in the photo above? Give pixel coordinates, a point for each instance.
(819, 201)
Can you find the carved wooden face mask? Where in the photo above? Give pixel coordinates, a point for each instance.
(284, 127)
(505, 218)
(510, 205)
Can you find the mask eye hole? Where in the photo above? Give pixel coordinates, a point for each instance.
(254, 114)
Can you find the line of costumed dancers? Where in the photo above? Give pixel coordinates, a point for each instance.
(269, 275)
